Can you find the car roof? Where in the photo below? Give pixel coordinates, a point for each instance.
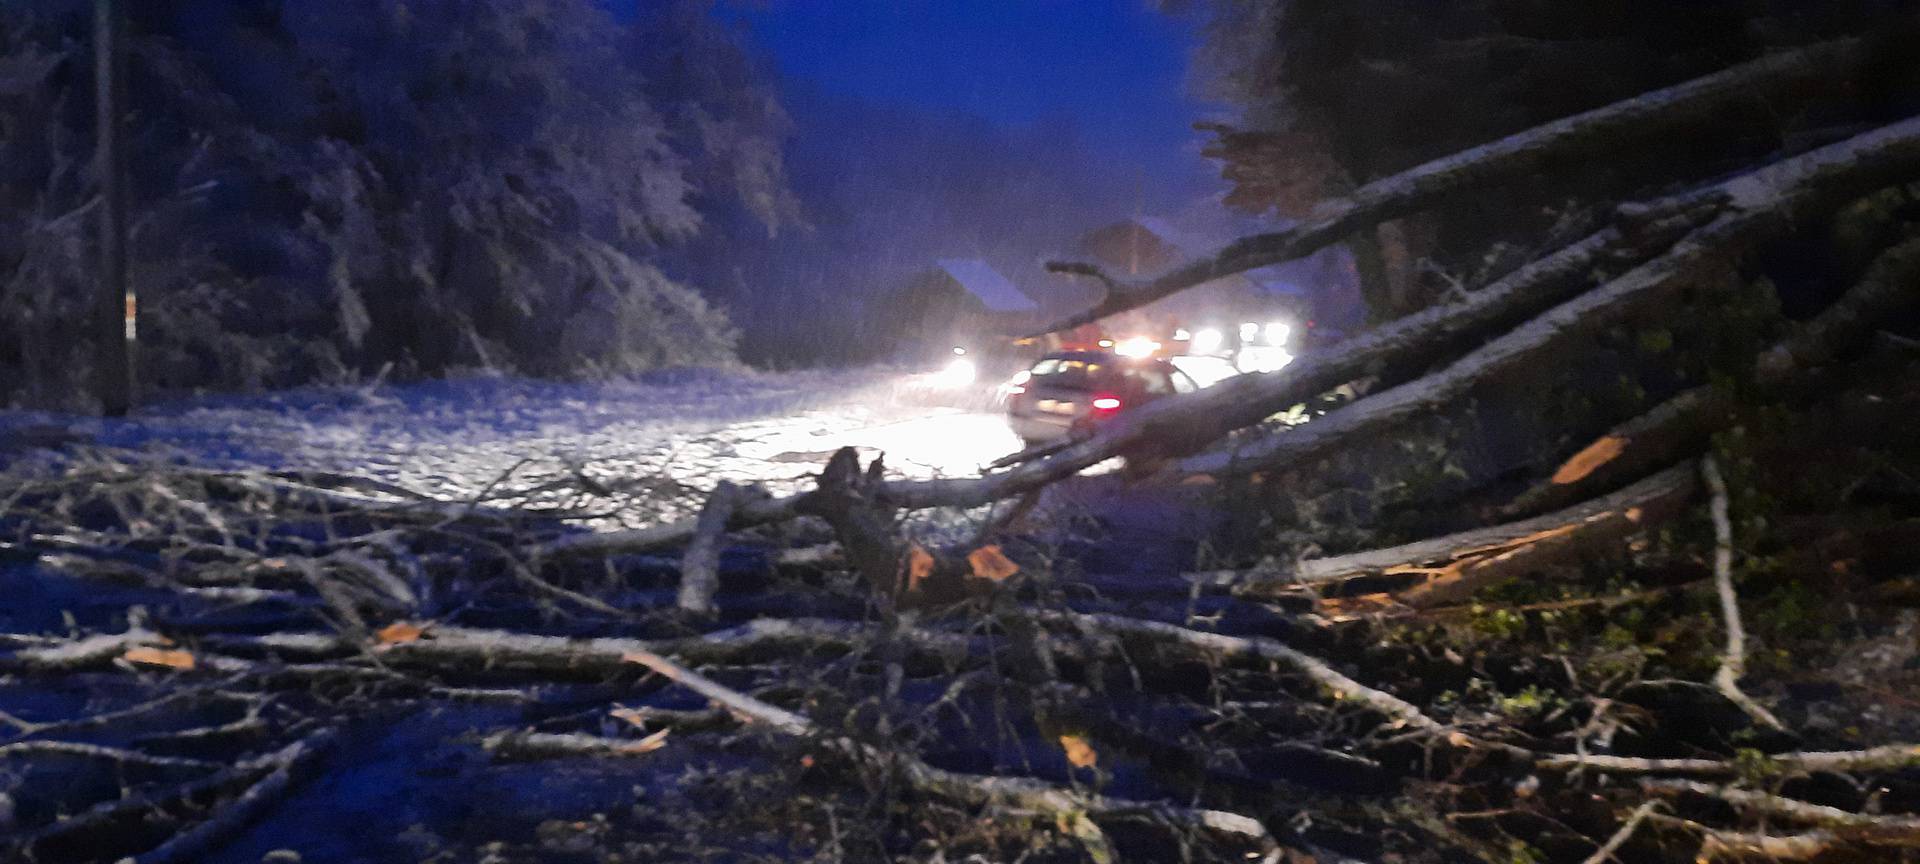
(1103, 358)
(1090, 356)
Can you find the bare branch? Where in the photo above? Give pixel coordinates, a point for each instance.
(1733, 663)
(1011, 792)
(1620, 837)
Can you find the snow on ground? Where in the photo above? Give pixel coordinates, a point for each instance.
(643, 450)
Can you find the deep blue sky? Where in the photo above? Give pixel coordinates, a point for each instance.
(1115, 68)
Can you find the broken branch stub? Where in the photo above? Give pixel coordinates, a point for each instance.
(1470, 560)
(853, 503)
(700, 564)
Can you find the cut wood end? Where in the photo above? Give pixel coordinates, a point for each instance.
(1587, 460)
(171, 658)
(648, 744)
(400, 632)
(919, 566)
(1079, 753)
(989, 563)
(1354, 608)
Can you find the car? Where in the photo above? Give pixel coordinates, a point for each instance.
(1070, 393)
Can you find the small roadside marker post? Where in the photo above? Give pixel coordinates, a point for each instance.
(115, 332)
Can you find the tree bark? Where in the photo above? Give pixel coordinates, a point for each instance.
(1798, 73)
(700, 564)
(1763, 205)
(1187, 422)
(1683, 422)
(1465, 562)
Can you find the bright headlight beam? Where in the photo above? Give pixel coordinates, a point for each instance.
(959, 373)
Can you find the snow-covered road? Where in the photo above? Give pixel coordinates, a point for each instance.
(643, 449)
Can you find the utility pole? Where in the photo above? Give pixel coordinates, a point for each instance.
(114, 325)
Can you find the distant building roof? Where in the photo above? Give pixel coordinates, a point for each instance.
(985, 283)
(1276, 279)
(1189, 244)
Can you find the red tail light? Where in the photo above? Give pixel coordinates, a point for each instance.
(1106, 403)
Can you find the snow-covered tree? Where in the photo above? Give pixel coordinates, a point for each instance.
(323, 186)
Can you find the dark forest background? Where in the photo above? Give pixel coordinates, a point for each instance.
(1332, 94)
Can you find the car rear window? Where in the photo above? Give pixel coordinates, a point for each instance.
(1066, 373)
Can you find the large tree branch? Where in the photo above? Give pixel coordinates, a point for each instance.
(1793, 73)
(1763, 205)
(1681, 424)
(1186, 422)
(1472, 559)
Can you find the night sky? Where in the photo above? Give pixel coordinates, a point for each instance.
(1116, 70)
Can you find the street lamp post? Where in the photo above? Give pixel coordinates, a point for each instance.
(114, 316)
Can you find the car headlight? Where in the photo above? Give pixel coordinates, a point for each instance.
(958, 373)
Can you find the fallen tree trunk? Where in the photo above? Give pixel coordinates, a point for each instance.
(1763, 205)
(459, 648)
(1683, 422)
(1186, 422)
(1462, 563)
(1678, 425)
(1802, 72)
(462, 649)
